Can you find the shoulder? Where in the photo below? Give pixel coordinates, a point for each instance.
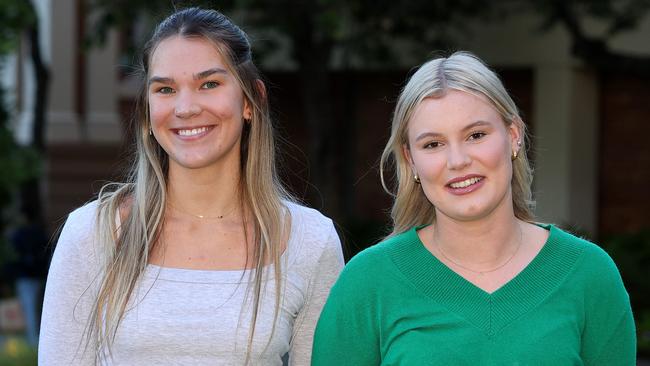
(306, 216)
(374, 266)
(82, 221)
(311, 226)
(590, 254)
(594, 269)
(313, 235)
(382, 251)
(76, 248)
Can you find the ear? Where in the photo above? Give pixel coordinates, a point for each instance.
(406, 150)
(248, 112)
(261, 87)
(514, 130)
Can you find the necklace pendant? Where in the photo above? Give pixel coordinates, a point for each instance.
(200, 216)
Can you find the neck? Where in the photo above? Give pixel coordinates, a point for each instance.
(206, 192)
(481, 244)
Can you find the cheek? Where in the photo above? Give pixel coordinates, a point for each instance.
(226, 111)
(157, 111)
(236, 107)
(494, 155)
(428, 166)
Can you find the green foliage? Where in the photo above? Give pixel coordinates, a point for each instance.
(17, 164)
(622, 15)
(618, 15)
(631, 252)
(360, 29)
(15, 15)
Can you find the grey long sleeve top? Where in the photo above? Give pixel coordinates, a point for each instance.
(190, 317)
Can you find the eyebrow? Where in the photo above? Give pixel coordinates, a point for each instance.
(198, 76)
(466, 128)
(206, 73)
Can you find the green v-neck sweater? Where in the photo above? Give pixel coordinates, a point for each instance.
(397, 304)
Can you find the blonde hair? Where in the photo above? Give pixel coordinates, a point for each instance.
(260, 191)
(465, 72)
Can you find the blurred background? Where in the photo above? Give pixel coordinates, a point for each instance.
(579, 70)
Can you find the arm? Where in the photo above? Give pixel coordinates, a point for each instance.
(348, 329)
(324, 275)
(69, 295)
(609, 335)
(620, 346)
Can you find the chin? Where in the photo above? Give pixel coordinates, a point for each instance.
(465, 217)
(193, 163)
(466, 214)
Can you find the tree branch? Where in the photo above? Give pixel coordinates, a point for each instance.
(596, 52)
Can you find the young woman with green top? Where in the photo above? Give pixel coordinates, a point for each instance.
(466, 277)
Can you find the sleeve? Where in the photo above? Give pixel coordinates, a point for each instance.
(348, 329)
(323, 276)
(609, 335)
(70, 294)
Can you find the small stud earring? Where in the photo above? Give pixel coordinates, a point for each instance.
(416, 178)
(150, 131)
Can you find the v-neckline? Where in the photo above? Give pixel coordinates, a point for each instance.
(444, 267)
(488, 311)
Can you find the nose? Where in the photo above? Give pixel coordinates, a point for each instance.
(186, 106)
(457, 157)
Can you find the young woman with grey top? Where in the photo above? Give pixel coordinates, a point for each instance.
(201, 258)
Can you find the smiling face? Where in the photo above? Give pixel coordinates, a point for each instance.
(460, 148)
(196, 106)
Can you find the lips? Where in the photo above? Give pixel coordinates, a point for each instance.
(192, 133)
(464, 185)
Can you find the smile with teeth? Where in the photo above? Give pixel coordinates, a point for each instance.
(193, 131)
(465, 183)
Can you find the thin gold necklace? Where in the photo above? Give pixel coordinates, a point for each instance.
(202, 217)
(481, 273)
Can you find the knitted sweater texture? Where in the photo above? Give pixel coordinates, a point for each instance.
(397, 304)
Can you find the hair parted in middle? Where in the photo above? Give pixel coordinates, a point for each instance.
(462, 71)
(261, 193)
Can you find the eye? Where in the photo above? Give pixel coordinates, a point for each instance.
(165, 90)
(432, 145)
(210, 85)
(477, 135)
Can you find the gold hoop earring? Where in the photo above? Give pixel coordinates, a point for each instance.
(515, 153)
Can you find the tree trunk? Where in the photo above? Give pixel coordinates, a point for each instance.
(42, 76)
(31, 188)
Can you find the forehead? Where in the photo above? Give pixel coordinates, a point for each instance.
(179, 55)
(453, 111)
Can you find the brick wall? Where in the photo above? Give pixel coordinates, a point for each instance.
(74, 174)
(624, 169)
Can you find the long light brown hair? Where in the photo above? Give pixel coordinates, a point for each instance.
(260, 191)
(465, 72)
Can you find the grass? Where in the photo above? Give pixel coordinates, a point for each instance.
(16, 352)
